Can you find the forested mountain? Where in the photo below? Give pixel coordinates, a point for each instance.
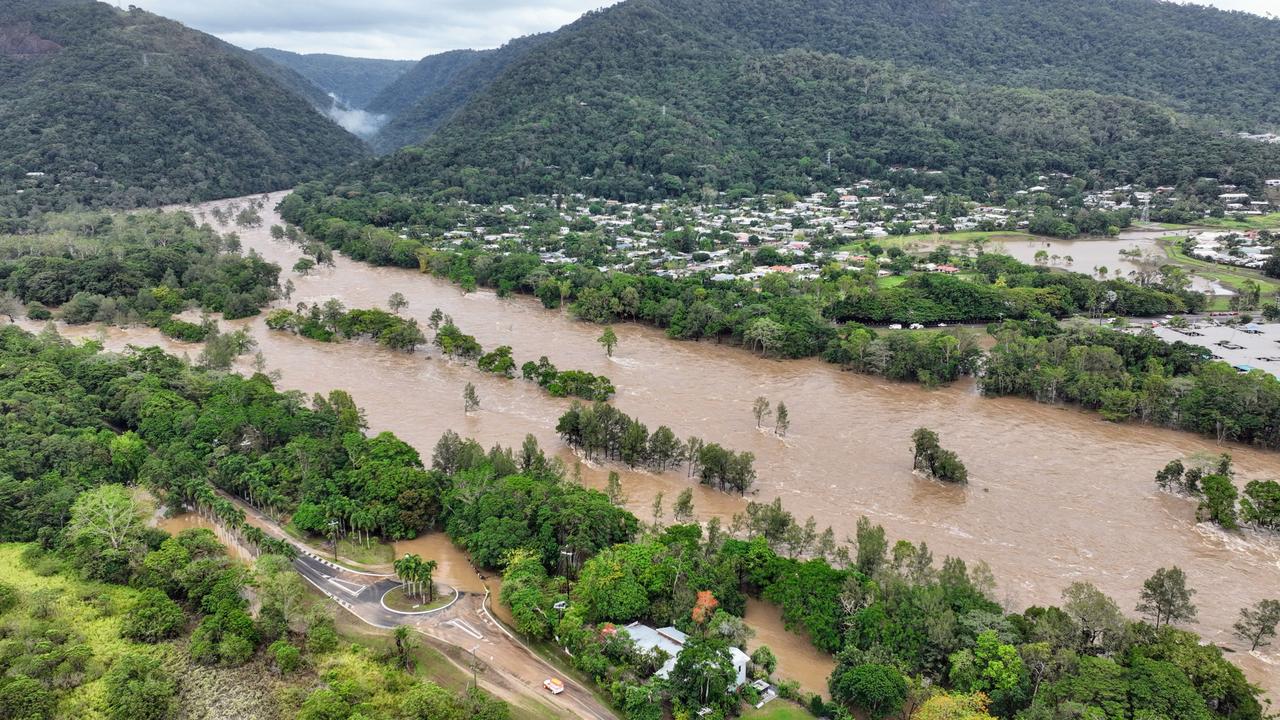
(1193, 58)
(429, 75)
(355, 81)
(100, 106)
(654, 97)
(427, 96)
(316, 96)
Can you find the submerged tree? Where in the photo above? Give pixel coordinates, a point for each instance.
(761, 410)
(397, 302)
(470, 399)
(608, 339)
(781, 420)
(682, 511)
(936, 462)
(1257, 624)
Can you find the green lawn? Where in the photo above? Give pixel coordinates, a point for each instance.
(778, 710)
(351, 552)
(1252, 222)
(889, 281)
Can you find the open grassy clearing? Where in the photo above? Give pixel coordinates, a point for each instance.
(1250, 222)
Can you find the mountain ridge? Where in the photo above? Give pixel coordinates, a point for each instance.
(355, 81)
(654, 97)
(134, 109)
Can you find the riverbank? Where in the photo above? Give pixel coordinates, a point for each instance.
(1056, 494)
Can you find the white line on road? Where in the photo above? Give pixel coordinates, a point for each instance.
(465, 627)
(346, 587)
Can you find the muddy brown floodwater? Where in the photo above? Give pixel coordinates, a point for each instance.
(1055, 494)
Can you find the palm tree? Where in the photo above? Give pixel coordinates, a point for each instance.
(425, 571)
(409, 569)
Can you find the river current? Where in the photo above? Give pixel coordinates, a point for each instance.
(1055, 494)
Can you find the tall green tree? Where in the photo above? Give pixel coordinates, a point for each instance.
(608, 340)
(1166, 599)
(1257, 624)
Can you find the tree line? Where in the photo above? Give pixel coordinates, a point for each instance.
(602, 431)
(326, 322)
(1127, 376)
(783, 317)
(131, 269)
(1221, 502)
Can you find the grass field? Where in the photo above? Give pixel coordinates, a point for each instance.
(1252, 222)
(353, 552)
(778, 710)
(398, 600)
(93, 611)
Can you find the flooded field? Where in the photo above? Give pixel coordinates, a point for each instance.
(1056, 495)
(1132, 251)
(799, 661)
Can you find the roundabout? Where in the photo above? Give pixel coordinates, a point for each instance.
(395, 600)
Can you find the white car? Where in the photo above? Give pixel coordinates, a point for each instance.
(554, 685)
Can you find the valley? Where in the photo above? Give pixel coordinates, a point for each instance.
(846, 456)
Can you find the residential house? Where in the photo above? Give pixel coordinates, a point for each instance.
(672, 641)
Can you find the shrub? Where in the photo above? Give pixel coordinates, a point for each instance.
(153, 617)
(183, 330)
(287, 657)
(138, 688)
(8, 597)
(234, 650)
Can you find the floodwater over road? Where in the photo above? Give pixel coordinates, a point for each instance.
(1055, 494)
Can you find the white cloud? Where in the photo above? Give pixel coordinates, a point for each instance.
(408, 29)
(399, 29)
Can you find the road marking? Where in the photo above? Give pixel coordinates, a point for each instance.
(346, 586)
(465, 627)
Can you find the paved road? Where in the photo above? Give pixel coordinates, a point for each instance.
(511, 668)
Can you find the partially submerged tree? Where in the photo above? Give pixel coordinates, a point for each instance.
(930, 458)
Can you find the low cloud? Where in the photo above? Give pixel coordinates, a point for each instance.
(397, 29)
(360, 123)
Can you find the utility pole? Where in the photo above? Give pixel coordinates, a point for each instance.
(475, 665)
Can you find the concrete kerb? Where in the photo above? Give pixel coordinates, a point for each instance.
(383, 602)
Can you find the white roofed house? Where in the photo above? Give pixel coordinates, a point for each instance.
(672, 641)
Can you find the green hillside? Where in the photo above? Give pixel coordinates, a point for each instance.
(427, 76)
(427, 96)
(356, 81)
(107, 107)
(660, 97)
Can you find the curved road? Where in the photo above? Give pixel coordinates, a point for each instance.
(465, 624)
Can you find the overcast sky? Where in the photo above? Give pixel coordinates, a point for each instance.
(405, 29)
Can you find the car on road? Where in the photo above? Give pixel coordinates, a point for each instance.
(554, 685)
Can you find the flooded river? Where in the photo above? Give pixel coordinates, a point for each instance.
(1055, 495)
